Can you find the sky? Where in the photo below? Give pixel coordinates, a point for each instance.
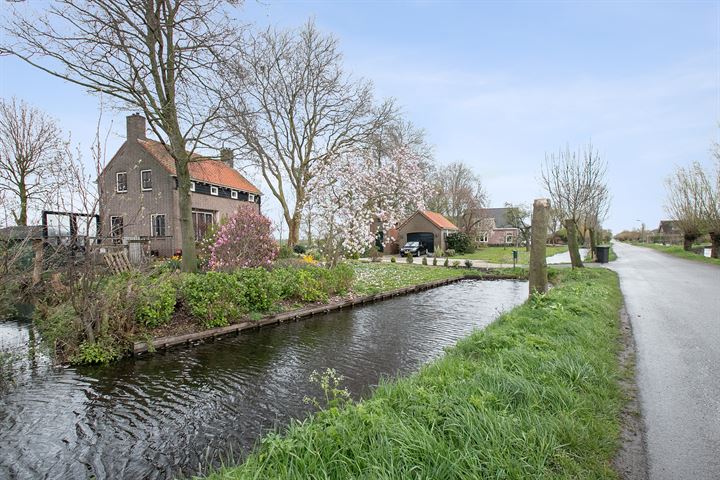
(498, 85)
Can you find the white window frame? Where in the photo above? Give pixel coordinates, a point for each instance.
(143, 189)
(234, 194)
(251, 197)
(152, 225)
(192, 186)
(214, 190)
(484, 237)
(117, 182)
(510, 236)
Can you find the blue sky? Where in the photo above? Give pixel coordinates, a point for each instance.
(499, 84)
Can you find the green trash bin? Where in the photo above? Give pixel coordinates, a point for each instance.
(602, 252)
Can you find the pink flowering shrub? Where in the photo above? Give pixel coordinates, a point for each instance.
(244, 241)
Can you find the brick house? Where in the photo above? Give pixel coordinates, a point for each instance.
(139, 192)
(668, 232)
(495, 229)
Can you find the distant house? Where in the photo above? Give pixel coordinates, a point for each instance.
(427, 227)
(494, 228)
(139, 192)
(668, 232)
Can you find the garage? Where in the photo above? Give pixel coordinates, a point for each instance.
(427, 227)
(425, 238)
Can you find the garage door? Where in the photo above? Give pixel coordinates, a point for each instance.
(423, 237)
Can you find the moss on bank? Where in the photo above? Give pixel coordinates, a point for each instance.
(534, 395)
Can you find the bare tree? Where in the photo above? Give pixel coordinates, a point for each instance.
(296, 111)
(519, 216)
(575, 182)
(690, 198)
(595, 213)
(30, 146)
(711, 203)
(159, 56)
(459, 195)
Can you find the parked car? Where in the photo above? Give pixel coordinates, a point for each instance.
(415, 248)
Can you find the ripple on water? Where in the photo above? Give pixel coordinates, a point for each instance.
(163, 415)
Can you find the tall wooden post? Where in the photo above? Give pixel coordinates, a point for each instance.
(538, 265)
(38, 248)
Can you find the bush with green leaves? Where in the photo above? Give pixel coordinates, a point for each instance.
(261, 291)
(409, 257)
(99, 352)
(393, 260)
(285, 251)
(468, 263)
(434, 261)
(446, 262)
(215, 298)
(156, 303)
(450, 252)
(299, 249)
(460, 242)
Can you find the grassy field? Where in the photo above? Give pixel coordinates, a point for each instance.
(373, 278)
(504, 254)
(534, 395)
(678, 251)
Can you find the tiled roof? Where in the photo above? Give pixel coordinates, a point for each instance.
(201, 169)
(438, 220)
(500, 216)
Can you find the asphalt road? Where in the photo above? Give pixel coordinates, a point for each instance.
(674, 306)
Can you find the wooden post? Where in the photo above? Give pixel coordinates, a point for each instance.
(38, 262)
(538, 265)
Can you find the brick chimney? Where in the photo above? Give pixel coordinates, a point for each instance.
(226, 156)
(136, 127)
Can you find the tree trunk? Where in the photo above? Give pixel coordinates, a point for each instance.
(715, 249)
(187, 232)
(538, 263)
(573, 246)
(593, 243)
(688, 241)
(21, 219)
(294, 228)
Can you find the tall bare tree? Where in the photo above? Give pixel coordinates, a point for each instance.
(595, 213)
(159, 56)
(575, 182)
(711, 189)
(297, 110)
(519, 216)
(30, 147)
(459, 195)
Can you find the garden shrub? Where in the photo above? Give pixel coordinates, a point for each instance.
(393, 260)
(409, 257)
(102, 351)
(450, 252)
(299, 249)
(310, 288)
(447, 262)
(214, 298)
(468, 263)
(460, 242)
(424, 260)
(261, 292)
(434, 261)
(156, 303)
(456, 263)
(285, 251)
(244, 241)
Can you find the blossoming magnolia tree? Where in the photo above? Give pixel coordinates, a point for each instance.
(353, 192)
(244, 241)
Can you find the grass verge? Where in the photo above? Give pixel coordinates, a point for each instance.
(504, 254)
(678, 251)
(534, 395)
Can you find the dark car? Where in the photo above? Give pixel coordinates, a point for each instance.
(415, 248)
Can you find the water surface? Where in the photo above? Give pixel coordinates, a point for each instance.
(182, 411)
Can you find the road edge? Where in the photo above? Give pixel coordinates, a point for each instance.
(631, 460)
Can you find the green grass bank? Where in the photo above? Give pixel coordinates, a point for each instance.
(504, 254)
(678, 251)
(534, 395)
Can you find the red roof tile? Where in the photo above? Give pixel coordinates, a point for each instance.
(201, 169)
(438, 220)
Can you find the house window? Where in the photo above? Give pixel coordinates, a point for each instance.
(116, 229)
(508, 237)
(202, 221)
(484, 237)
(157, 225)
(234, 194)
(145, 180)
(251, 197)
(213, 190)
(192, 186)
(121, 182)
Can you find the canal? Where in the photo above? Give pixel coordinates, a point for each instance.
(184, 411)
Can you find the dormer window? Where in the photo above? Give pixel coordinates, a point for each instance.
(145, 180)
(121, 182)
(251, 197)
(213, 190)
(192, 186)
(233, 194)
